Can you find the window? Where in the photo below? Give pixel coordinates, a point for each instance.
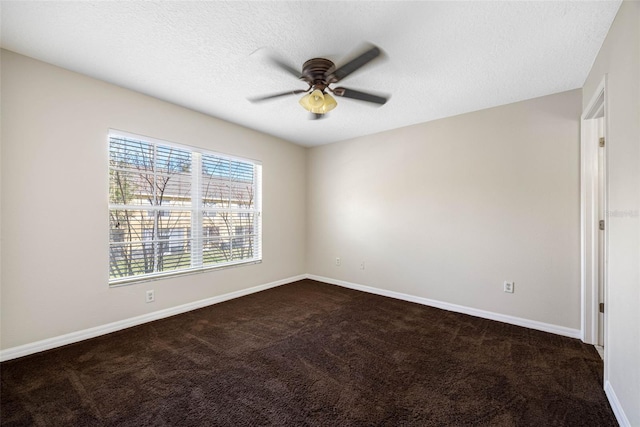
(175, 209)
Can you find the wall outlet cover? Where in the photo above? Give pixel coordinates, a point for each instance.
(509, 287)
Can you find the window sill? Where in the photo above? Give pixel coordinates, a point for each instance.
(171, 274)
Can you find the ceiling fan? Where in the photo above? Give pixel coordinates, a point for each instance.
(319, 74)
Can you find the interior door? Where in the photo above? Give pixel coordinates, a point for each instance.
(601, 234)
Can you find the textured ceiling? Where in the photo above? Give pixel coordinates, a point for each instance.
(441, 58)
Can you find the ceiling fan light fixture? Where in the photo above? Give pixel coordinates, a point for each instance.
(318, 102)
(329, 103)
(316, 99)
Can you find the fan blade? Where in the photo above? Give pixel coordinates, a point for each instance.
(269, 54)
(362, 96)
(284, 66)
(351, 66)
(277, 95)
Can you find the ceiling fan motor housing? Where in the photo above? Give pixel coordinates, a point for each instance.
(315, 72)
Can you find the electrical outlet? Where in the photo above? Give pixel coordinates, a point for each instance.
(509, 287)
(150, 296)
(338, 261)
(362, 265)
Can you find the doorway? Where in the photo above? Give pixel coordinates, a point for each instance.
(593, 212)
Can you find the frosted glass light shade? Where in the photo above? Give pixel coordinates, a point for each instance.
(329, 103)
(318, 102)
(316, 99)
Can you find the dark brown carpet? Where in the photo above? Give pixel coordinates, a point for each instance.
(311, 354)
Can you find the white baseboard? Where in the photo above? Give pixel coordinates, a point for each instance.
(49, 343)
(615, 405)
(532, 324)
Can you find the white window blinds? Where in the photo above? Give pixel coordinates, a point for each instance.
(175, 209)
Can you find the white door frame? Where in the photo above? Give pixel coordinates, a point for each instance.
(589, 218)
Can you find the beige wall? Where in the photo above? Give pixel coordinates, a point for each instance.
(619, 59)
(445, 210)
(448, 210)
(54, 201)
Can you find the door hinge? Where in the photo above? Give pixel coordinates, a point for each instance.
(602, 142)
(601, 307)
(601, 224)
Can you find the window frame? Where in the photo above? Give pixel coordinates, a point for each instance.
(199, 214)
